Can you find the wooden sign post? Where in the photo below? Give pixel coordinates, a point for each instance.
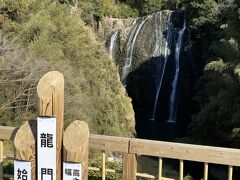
(25, 144)
(50, 90)
(75, 145)
(47, 133)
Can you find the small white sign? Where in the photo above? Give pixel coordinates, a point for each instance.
(46, 148)
(22, 170)
(72, 171)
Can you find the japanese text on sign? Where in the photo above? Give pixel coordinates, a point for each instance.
(22, 170)
(46, 148)
(72, 171)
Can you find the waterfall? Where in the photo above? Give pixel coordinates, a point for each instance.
(162, 50)
(112, 46)
(158, 34)
(155, 69)
(172, 104)
(129, 48)
(156, 47)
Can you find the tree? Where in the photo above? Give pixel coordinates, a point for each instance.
(217, 121)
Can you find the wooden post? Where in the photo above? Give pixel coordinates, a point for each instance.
(1, 160)
(103, 165)
(50, 90)
(25, 144)
(129, 166)
(230, 172)
(205, 171)
(75, 145)
(181, 170)
(160, 161)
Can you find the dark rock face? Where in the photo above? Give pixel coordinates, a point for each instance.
(156, 69)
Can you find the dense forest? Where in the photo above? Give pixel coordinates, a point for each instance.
(40, 35)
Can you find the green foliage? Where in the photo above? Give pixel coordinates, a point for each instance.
(94, 175)
(203, 12)
(15, 10)
(215, 24)
(101, 8)
(149, 6)
(219, 103)
(50, 37)
(217, 66)
(8, 167)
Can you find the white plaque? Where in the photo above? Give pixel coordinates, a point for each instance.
(22, 170)
(72, 171)
(46, 148)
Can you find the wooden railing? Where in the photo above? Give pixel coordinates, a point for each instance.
(130, 147)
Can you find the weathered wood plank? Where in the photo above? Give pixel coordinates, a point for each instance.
(75, 145)
(129, 166)
(7, 132)
(50, 91)
(190, 152)
(25, 144)
(216, 155)
(98, 170)
(144, 175)
(109, 143)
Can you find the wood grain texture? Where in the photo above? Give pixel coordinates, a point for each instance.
(7, 132)
(129, 166)
(215, 155)
(50, 90)
(109, 143)
(76, 145)
(145, 175)
(25, 144)
(189, 152)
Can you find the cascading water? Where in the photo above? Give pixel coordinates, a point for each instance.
(172, 103)
(129, 48)
(158, 34)
(156, 73)
(112, 46)
(162, 50)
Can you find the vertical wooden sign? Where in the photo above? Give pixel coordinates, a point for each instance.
(75, 145)
(25, 145)
(46, 148)
(50, 90)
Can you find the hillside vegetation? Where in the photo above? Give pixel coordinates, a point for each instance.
(215, 24)
(42, 35)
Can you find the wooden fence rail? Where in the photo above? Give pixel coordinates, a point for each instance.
(134, 146)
